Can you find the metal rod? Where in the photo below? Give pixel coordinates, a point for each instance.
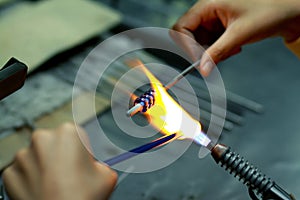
(182, 74)
(142, 149)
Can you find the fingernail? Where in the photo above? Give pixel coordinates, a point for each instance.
(206, 68)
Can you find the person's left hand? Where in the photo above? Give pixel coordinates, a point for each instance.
(57, 166)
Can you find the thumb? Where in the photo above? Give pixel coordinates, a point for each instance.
(227, 45)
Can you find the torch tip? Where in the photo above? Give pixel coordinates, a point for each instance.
(202, 139)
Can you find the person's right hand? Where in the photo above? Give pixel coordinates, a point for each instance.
(227, 25)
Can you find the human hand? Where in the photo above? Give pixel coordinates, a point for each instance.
(227, 25)
(57, 166)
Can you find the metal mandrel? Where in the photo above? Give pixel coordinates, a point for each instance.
(143, 103)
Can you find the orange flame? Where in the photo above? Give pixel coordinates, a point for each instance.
(167, 115)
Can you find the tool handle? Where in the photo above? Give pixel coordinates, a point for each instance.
(258, 184)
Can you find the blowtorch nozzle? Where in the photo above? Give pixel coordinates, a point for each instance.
(202, 139)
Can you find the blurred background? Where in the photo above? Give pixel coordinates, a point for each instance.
(54, 37)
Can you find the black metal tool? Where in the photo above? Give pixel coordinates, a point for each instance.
(259, 186)
(12, 77)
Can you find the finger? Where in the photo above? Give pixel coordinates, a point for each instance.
(14, 184)
(107, 179)
(191, 20)
(188, 44)
(25, 163)
(71, 132)
(107, 172)
(183, 31)
(84, 138)
(228, 44)
(41, 146)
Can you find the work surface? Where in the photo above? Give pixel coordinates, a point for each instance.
(266, 72)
